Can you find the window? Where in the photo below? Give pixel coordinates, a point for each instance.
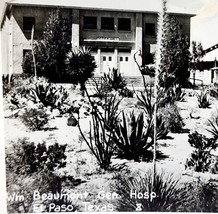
(65, 25)
(150, 29)
(110, 58)
(90, 22)
(126, 59)
(121, 59)
(107, 23)
(124, 24)
(104, 58)
(26, 52)
(28, 23)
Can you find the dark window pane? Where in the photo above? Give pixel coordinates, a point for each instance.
(28, 23)
(26, 51)
(126, 59)
(124, 24)
(65, 25)
(104, 58)
(90, 22)
(110, 58)
(107, 23)
(107, 50)
(121, 58)
(150, 29)
(124, 50)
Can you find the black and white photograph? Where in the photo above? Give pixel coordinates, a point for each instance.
(109, 106)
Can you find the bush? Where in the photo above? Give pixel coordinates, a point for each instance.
(169, 197)
(31, 167)
(34, 119)
(172, 118)
(132, 138)
(203, 99)
(202, 197)
(27, 158)
(125, 92)
(200, 159)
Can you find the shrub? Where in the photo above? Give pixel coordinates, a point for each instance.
(27, 158)
(169, 197)
(132, 138)
(202, 197)
(34, 119)
(162, 127)
(125, 92)
(203, 99)
(201, 157)
(31, 167)
(172, 118)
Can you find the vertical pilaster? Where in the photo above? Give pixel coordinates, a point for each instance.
(116, 58)
(10, 53)
(138, 38)
(99, 61)
(75, 28)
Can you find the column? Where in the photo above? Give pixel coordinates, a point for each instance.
(116, 58)
(99, 61)
(138, 40)
(75, 28)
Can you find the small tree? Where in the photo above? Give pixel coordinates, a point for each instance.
(174, 54)
(50, 51)
(197, 53)
(80, 66)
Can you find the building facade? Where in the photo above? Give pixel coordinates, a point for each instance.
(114, 35)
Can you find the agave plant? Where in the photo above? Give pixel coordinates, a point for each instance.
(203, 99)
(214, 129)
(161, 194)
(133, 138)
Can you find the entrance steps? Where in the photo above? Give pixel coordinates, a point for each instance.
(135, 81)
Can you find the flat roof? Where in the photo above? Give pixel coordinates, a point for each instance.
(113, 5)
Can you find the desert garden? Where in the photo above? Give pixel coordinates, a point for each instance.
(73, 146)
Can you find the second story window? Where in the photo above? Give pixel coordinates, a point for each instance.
(150, 29)
(28, 23)
(124, 24)
(107, 23)
(90, 22)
